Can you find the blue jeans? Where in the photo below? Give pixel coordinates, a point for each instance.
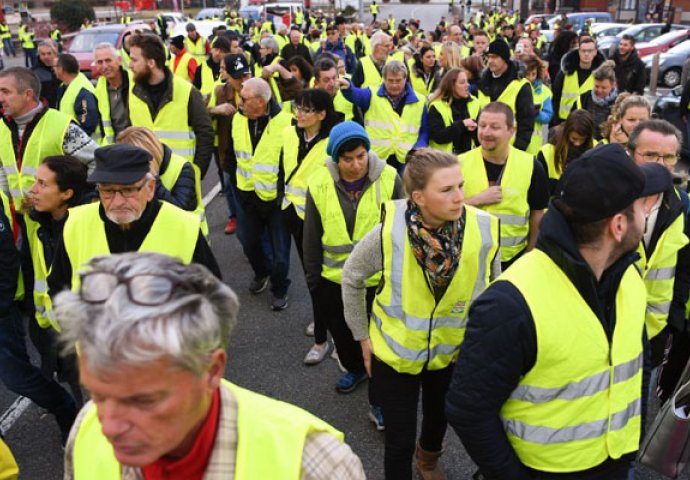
(8, 46)
(30, 57)
(23, 378)
(253, 225)
(229, 187)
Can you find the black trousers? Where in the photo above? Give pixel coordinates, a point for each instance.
(398, 395)
(295, 226)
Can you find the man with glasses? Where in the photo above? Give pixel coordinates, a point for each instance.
(153, 337)
(664, 251)
(126, 219)
(575, 78)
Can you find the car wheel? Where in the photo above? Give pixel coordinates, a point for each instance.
(671, 77)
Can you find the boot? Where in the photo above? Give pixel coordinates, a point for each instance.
(427, 464)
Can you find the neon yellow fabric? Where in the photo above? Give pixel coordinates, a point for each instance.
(182, 68)
(444, 109)
(571, 93)
(46, 139)
(257, 170)
(298, 176)
(171, 124)
(196, 49)
(84, 235)
(169, 179)
(8, 465)
(389, 132)
(335, 240)
(409, 330)
(271, 436)
(508, 96)
(537, 136)
(70, 96)
(513, 210)
(42, 300)
(372, 77)
(580, 402)
(341, 105)
(208, 83)
(101, 93)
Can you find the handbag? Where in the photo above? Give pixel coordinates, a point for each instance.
(666, 447)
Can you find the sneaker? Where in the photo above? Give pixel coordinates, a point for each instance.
(259, 284)
(279, 303)
(231, 226)
(316, 354)
(348, 382)
(334, 356)
(376, 417)
(309, 331)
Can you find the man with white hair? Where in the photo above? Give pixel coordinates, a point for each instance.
(368, 71)
(153, 337)
(254, 146)
(111, 91)
(47, 53)
(127, 219)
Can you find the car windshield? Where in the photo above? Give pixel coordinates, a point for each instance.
(666, 37)
(634, 30)
(86, 41)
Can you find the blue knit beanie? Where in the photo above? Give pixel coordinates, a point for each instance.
(343, 132)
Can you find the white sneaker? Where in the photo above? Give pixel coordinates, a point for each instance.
(334, 356)
(316, 354)
(309, 331)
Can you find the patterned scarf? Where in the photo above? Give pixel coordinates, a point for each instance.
(437, 250)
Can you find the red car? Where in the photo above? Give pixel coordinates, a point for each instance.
(662, 43)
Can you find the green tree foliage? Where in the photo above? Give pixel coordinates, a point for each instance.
(71, 13)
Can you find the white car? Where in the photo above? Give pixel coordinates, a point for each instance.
(174, 19)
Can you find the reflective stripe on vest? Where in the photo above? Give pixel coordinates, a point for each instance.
(257, 170)
(537, 136)
(42, 300)
(169, 179)
(410, 331)
(271, 437)
(389, 132)
(174, 232)
(659, 274)
(298, 176)
(335, 238)
(46, 140)
(580, 402)
(571, 93)
(444, 109)
(171, 124)
(513, 210)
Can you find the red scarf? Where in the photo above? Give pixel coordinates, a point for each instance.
(193, 465)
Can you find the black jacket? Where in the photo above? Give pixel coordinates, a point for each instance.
(570, 63)
(300, 50)
(121, 241)
(684, 100)
(500, 347)
(599, 112)
(456, 133)
(524, 104)
(49, 82)
(631, 75)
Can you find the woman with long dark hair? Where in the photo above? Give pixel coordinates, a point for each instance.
(453, 114)
(425, 72)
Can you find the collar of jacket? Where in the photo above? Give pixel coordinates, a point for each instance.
(140, 91)
(410, 96)
(571, 61)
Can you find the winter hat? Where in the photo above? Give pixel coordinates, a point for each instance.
(342, 133)
(178, 41)
(500, 47)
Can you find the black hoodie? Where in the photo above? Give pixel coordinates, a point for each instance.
(500, 347)
(631, 75)
(570, 64)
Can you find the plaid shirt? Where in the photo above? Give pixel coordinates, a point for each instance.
(323, 457)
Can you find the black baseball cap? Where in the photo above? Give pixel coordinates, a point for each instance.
(605, 181)
(237, 65)
(121, 164)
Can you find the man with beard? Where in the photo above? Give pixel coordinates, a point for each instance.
(127, 219)
(47, 53)
(631, 75)
(169, 106)
(506, 182)
(548, 383)
(112, 90)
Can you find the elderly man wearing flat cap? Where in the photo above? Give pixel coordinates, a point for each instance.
(127, 219)
(548, 383)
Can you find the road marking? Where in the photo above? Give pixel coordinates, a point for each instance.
(211, 195)
(13, 413)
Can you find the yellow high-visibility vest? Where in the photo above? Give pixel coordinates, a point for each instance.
(46, 139)
(580, 402)
(68, 99)
(389, 132)
(181, 70)
(271, 437)
(257, 170)
(196, 49)
(42, 300)
(169, 179)
(538, 136)
(446, 112)
(101, 93)
(171, 124)
(508, 96)
(410, 330)
(174, 232)
(513, 211)
(571, 93)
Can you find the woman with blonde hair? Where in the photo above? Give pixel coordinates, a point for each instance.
(449, 56)
(452, 114)
(177, 179)
(628, 111)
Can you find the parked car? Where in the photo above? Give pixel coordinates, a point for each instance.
(670, 64)
(84, 41)
(667, 107)
(577, 20)
(662, 43)
(204, 27)
(210, 13)
(644, 32)
(252, 12)
(601, 31)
